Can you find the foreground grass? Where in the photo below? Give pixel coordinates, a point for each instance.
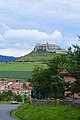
(29, 112)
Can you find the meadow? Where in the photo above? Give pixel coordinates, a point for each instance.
(17, 70)
(53, 112)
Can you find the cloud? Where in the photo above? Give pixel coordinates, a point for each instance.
(4, 26)
(14, 52)
(27, 37)
(19, 42)
(29, 34)
(56, 35)
(42, 15)
(41, 10)
(24, 40)
(23, 23)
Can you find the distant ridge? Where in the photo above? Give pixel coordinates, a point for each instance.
(7, 58)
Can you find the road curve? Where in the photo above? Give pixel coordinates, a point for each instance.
(5, 111)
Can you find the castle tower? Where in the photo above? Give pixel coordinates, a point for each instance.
(47, 46)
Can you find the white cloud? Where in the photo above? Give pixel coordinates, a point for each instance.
(23, 23)
(14, 52)
(56, 35)
(30, 34)
(19, 42)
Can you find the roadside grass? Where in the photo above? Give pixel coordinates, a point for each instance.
(53, 112)
(4, 102)
(8, 102)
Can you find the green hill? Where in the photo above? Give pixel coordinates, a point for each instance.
(40, 56)
(42, 53)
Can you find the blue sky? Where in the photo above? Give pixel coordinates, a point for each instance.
(23, 23)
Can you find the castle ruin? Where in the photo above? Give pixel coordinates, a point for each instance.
(49, 47)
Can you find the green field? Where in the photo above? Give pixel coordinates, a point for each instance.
(17, 70)
(15, 74)
(18, 66)
(21, 69)
(29, 112)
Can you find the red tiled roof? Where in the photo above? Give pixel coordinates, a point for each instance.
(69, 79)
(28, 83)
(64, 72)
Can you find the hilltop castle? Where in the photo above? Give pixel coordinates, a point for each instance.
(49, 48)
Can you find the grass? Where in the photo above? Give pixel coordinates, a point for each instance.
(17, 70)
(29, 112)
(8, 102)
(18, 66)
(15, 74)
(4, 102)
(38, 56)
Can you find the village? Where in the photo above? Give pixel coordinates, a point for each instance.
(24, 88)
(16, 87)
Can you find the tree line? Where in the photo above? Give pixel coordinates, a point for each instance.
(10, 96)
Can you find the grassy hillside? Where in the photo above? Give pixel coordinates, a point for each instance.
(29, 112)
(38, 56)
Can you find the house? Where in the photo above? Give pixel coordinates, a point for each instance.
(16, 87)
(3, 86)
(70, 79)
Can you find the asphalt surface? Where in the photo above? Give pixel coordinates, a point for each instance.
(5, 110)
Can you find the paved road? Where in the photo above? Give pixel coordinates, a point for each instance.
(5, 111)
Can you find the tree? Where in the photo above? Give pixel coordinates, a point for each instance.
(74, 61)
(25, 86)
(57, 86)
(25, 98)
(57, 64)
(73, 66)
(57, 82)
(47, 82)
(40, 82)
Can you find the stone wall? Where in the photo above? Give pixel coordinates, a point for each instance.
(53, 102)
(41, 102)
(71, 103)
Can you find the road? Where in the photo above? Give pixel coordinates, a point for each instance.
(5, 111)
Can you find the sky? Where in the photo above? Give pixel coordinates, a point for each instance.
(24, 23)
